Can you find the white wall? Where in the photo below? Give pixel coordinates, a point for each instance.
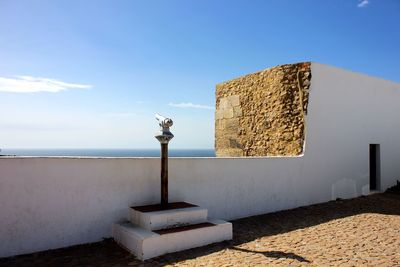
(349, 111)
(48, 203)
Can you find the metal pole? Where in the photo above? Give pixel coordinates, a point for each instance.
(164, 136)
(164, 175)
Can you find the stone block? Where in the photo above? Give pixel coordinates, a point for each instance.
(247, 101)
(231, 126)
(219, 114)
(227, 113)
(234, 100)
(223, 103)
(237, 112)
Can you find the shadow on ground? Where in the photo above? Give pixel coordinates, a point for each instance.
(251, 228)
(108, 253)
(274, 254)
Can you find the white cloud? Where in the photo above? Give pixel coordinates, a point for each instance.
(189, 105)
(363, 3)
(29, 84)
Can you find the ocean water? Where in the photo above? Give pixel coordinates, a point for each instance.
(107, 152)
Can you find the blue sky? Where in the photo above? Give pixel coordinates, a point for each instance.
(91, 74)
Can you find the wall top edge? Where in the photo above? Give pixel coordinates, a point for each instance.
(313, 63)
(266, 69)
(361, 74)
(149, 158)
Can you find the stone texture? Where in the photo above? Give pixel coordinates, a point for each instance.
(364, 231)
(263, 114)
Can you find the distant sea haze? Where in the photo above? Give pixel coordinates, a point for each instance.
(106, 152)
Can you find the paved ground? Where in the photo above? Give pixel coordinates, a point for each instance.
(360, 232)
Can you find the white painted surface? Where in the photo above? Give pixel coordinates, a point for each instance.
(48, 203)
(146, 244)
(131, 237)
(163, 219)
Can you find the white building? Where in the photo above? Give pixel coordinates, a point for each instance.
(352, 123)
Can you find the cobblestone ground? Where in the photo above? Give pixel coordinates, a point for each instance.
(359, 232)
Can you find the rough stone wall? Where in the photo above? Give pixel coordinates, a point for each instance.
(263, 114)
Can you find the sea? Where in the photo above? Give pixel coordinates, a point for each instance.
(79, 152)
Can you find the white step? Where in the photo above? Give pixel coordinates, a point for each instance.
(146, 244)
(169, 218)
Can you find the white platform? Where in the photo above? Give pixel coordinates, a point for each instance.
(146, 244)
(156, 220)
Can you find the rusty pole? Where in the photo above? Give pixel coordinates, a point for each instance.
(164, 136)
(164, 175)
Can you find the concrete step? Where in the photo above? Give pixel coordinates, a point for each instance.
(153, 217)
(146, 244)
